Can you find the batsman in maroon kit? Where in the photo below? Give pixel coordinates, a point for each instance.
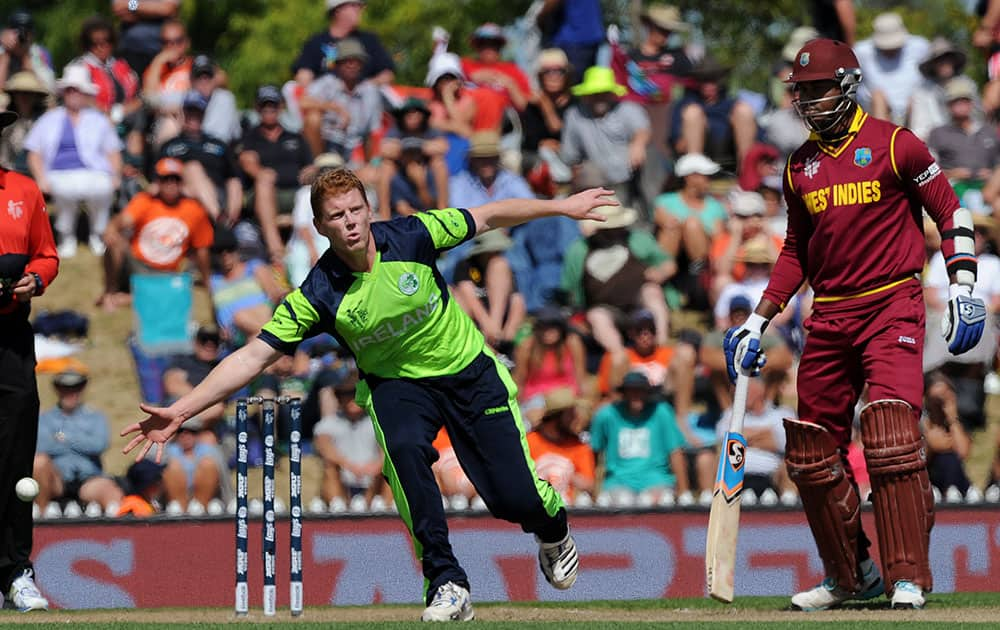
(855, 192)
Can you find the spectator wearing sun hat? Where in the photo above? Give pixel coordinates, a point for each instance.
(929, 104)
(319, 53)
(343, 109)
(890, 63)
(484, 181)
(614, 269)
(604, 138)
(542, 120)
(72, 437)
(576, 27)
(74, 155)
(965, 148)
(486, 69)
(561, 457)
(757, 256)
(27, 95)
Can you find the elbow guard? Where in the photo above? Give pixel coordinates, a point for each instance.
(962, 264)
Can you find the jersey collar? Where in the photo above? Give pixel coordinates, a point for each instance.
(836, 148)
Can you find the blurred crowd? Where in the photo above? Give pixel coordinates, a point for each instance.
(613, 330)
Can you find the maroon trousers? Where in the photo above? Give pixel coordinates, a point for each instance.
(876, 340)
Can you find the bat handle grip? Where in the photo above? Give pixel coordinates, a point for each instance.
(739, 404)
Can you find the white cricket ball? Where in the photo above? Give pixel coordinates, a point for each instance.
(26, 489)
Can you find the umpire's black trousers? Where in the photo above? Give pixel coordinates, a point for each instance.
(18, 436)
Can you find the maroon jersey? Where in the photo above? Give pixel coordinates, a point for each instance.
(855, 226)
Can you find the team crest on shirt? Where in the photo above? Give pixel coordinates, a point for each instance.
(358, 316)
(408, 283)
(811, 167)
(15, 209)
(804, 59)
(863, 156)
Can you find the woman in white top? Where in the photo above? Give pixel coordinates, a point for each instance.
(74, 155)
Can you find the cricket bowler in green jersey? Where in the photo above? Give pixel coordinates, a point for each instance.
(423, 364)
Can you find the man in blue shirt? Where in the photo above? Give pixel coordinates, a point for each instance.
(71, 439)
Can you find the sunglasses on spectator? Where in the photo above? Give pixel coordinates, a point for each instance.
(177, 41)
(559, 71)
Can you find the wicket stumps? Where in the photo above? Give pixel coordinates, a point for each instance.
(269, 546)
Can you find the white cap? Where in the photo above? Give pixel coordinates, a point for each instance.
(442, 64)
(695, 163)
(746, 204)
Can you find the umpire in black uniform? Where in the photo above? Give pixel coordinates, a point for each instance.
(28, 265)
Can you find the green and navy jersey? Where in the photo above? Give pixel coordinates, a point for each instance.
(398, 320)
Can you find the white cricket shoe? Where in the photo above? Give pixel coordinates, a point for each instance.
(907, 595)
(559, 562)
(827, 594)
(25, 595)
(451, 603)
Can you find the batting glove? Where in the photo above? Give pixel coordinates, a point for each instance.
(744, 354)
(964, 319)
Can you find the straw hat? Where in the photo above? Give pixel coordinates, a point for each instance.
(889, 32)
(616, 217)
(987, 222)
(561, 399)
(484, 144)
(756, 250)
(666, 17)
(26, 81)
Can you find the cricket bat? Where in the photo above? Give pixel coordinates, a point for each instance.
(724, 519)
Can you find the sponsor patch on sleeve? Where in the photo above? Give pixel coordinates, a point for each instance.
(929, 173)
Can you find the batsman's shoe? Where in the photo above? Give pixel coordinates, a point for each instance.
(907, 595)
(559, 562)
(827, 594)
(25, 596)
(451, 603)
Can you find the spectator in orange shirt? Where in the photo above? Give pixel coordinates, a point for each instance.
(487, 70)
(561, 458)
(168, 77)
(165, 226)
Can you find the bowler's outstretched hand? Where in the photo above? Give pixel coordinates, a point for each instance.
(157, 429)
(582, 205)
